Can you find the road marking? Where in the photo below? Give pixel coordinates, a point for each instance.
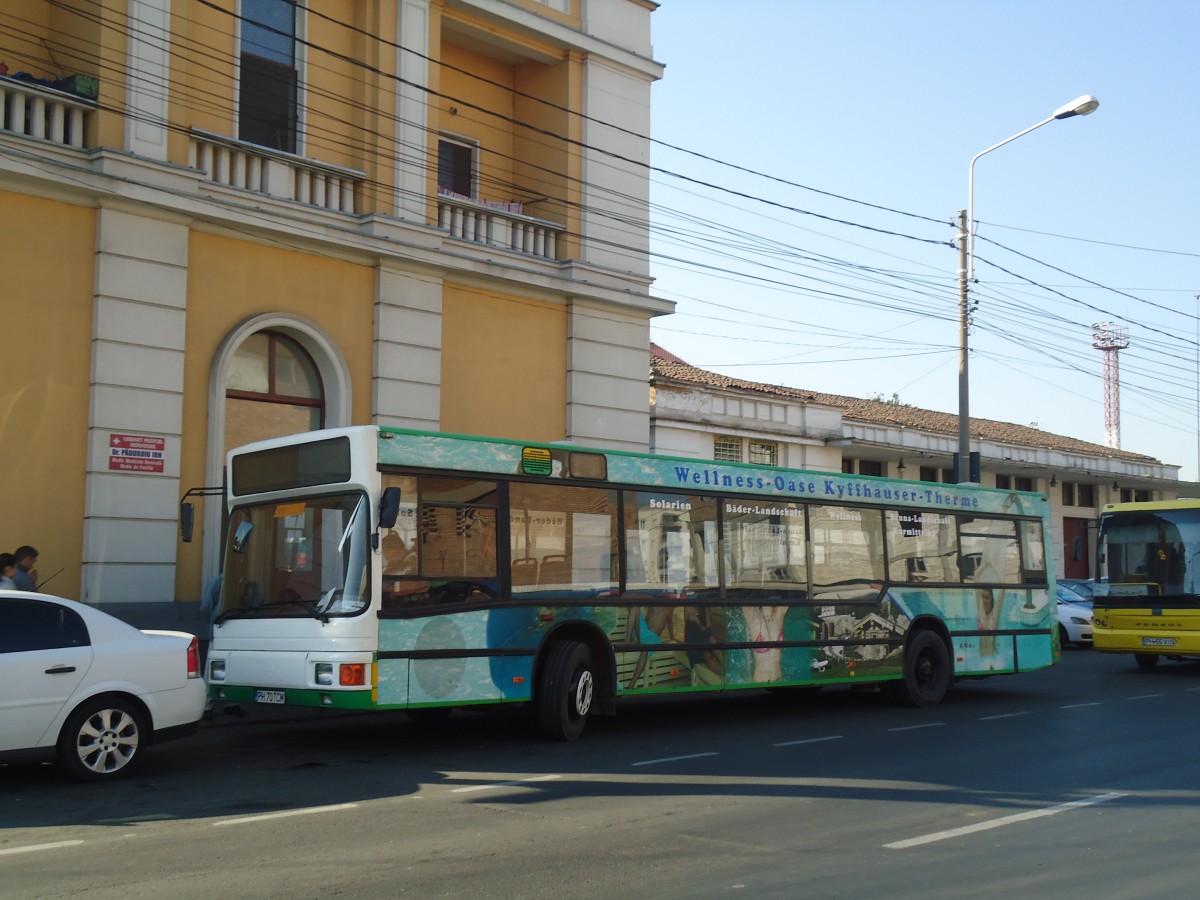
(1003, 716)
(307, 811)
(832, 737)
(1143, 696)
(1080, 705)
(32, 848)
(667, 759)
(915, 727)
(1192, 689)
(500, 784)
(998, 823)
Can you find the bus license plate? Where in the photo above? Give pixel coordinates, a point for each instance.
(1158, 642)
(268, 697)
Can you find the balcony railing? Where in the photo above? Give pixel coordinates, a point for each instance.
(498, 225)
(283, 175)
(42, 112)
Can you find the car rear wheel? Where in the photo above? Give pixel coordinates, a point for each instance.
(103, 738)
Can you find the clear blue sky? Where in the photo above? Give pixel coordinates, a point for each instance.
(885, 102)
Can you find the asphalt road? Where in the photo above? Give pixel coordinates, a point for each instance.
(1083, 779)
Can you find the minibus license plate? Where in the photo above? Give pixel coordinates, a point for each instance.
(1158, 642)
(268, 697)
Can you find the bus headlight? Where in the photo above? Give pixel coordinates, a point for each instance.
(324, 673)
(216, 670)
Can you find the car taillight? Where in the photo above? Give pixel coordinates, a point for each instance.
(193, 658)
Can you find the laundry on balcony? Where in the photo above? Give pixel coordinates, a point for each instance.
(516, 207)
(81, 85)
(38, 108)
(497, 225)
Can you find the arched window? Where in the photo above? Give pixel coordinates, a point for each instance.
(272, 389)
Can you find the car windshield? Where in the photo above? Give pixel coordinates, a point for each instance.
(1066, 595)
(298, 558)
(1083, 588)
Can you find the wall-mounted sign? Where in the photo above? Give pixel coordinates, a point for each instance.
(136, 453)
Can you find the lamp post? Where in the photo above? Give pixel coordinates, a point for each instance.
(1080, 106)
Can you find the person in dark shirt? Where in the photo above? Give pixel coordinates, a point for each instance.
(25, 575)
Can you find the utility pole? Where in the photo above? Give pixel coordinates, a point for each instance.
(964, 320)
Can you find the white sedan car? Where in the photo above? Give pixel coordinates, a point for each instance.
(1074, 618)
(80, 683)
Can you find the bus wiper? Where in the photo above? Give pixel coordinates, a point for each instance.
(307, 605)
(311, 609)
(230, 612)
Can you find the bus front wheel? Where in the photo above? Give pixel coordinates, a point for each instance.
(1146, 660)
(927, 671)
(565, 691)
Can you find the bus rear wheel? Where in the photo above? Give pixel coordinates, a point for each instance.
(1146, 660)
(566, 689)
(927, 672)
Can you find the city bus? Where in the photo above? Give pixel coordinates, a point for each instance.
(372, 568)
(1147, 593)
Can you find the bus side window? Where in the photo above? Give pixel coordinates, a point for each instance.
(458, 542)
(398, 557)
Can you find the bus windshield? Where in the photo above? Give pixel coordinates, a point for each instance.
(302, 557)
(1152, 553)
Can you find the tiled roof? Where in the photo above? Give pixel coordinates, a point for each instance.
(666, 366)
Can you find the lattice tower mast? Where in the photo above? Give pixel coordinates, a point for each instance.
(1111, 338)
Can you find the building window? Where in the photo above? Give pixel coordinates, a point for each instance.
(456, 167)
(727, 449)
(1076, 494)
(862, 466)
(1004, 482)
(1133, 495)
(933, 473)
(267, 105)
(764, 453)
(272, 389)
(1023, 483)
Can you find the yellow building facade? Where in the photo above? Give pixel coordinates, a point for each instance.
(233, 219)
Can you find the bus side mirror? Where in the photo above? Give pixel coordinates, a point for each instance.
(187, 521)
(389, 507)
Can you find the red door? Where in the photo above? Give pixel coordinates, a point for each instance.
(1077, 555)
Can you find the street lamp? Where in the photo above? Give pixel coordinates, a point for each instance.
(1080, 106)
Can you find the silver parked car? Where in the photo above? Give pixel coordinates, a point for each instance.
(80, 684)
